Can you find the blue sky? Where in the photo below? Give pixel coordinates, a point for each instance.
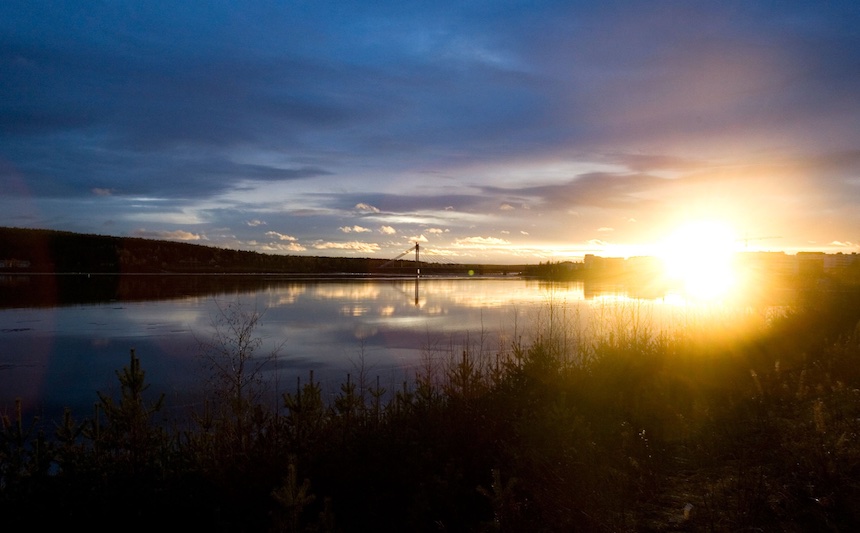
(494, 131)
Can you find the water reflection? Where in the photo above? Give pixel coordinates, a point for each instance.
(63, 344)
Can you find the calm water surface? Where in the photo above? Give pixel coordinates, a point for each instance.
(53, 356)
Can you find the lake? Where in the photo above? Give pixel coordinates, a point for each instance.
(62, 338)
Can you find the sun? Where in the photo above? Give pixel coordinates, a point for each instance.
(699, 256)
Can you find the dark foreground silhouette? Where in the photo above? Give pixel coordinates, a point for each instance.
(628, 429)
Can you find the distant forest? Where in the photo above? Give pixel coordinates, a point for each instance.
(38, 250)
(50, 251)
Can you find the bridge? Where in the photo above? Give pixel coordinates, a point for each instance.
(438, 264)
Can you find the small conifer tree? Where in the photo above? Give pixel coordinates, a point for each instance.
(129, 432)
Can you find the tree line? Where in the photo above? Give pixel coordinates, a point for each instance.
(65, 252)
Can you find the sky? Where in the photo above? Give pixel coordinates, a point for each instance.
(495, 131)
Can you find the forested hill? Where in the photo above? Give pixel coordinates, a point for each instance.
(37, 250)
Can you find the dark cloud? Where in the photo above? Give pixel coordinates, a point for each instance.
(598, 189)
(75, 170)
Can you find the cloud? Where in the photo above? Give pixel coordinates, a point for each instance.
(353, 246)
(644, 163)
(280, 236)
(437, 231)
(593, 189)
(102, 192)
(356, 229)
(506, 207)
(419, 238)
(387, 230)
(481, 241)
(254, 223)
(411, 201)
(366, 208)
(177, 235)
(280, 248)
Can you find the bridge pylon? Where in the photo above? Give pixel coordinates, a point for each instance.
(417, 249)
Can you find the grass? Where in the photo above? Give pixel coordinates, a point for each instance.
(605, 423)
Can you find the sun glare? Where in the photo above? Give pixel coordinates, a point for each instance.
(699, 256)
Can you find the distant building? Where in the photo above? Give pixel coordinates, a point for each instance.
(758, 265)
(603, 263)
(767, 263)
(810, 263)
(644, 264)
(839, 261)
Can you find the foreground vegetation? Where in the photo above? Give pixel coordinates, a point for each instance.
(611, 427)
